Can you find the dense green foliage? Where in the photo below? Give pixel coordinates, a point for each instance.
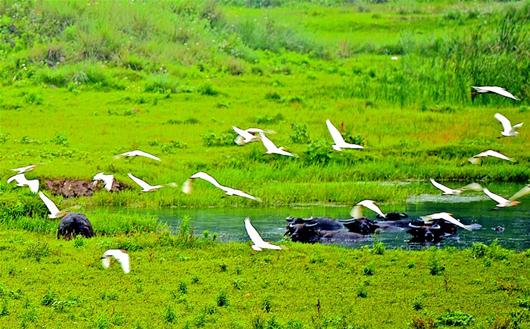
(198, 284)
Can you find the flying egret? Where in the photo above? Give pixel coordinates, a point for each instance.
(449, 191)
(21, 180)
(22, 170)
(271, 148)
(357, 210)
(258, 243)
(120, 255)
(186, 188)
(108, 180)
(449, 218)
(54, 211)
(507, 129)
(138, 153)
(145, 187)
(339, 141)
(247, 135)
(491, 89)
(504, 203)
(489, 153)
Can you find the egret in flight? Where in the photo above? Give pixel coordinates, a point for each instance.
(449, 218)
(489, 153)
(512, 201)
(507, 129)
(186, 188)
(108, 180)
(491, 90)
(258, 243)
(145, 187)
(357, 210)
(138, 153)
(120, 255)
(54, 211)
(271, 148)
(21, 180)
(247, 135)
(339, 141)
(449, 191)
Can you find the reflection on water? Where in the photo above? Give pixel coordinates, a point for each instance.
(228, 223)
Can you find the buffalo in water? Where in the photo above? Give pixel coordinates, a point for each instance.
(74, 224)
(321, 229)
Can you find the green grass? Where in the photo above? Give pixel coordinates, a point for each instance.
(200, 284)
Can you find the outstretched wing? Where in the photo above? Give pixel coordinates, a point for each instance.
(497, 198)
(524, 191)
(256, 238)
(372, 206)
(140, 182)
(208, 178)
(335, 133)
(506, 125)
(441, 187)
(447, 217)
(49, 204)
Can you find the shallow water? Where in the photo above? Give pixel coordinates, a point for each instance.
(270, 222)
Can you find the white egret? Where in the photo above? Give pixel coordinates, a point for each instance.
(449, 191)
(120, 255)
(258, 243)
(21, 180)
(507, 129)
(186, 188)
(108, 180)
(512, 201)
(271, 148)
(54, 211)
(145, 187)
(247, 135)
(138, 153)
(449, 218)
(339, 141)
(22, 170)
(491, 89)
(357, 210)
(489, 153)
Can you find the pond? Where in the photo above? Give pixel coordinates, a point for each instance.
(227, 223)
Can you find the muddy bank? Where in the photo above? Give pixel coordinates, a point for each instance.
(69, 188)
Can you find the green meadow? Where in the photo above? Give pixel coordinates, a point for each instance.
(82, 81)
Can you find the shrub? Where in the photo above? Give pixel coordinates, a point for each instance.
(454, 318)
(299, 134)
(318, 153)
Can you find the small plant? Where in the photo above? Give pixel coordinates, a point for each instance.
(379, 248)
(369, 269)
(417, 304)
(454, 318)
(48, 299)
(299, 134)
(419, 323)
(223, 267)
(265, 119)
(222, 299)
(169, 314)
(362, 291)
(266, 305)
(37, 250)
(183, 287)
(225, 139)
(208, 90)
(318, 152)
(435, 267)
(60, 139)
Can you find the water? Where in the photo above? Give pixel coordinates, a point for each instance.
(270, 222)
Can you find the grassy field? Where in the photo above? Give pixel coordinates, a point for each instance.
(176, 281)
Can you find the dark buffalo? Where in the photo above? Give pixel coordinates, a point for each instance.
(432, 232)
(73, 224)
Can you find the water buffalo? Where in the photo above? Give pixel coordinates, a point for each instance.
(432, 232)
(73, 224)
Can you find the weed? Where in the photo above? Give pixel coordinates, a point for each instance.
(378, 248)
(169, 315)
(454, 318)
(222, 299)
(369, 269)
(299, 134)
(435, 267)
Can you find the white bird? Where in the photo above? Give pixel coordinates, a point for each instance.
(54, 211)
(258, 243)
(394, 58)
(186, 188)
(108, 180)
(21, 180)
(489, 153)
(138, 153)
(120, 255)
(247, 135)
(507, 129)
(449, 218)
(145, 187)
(492, 89)
(339, 141)
(504, 203)
(449, 191)
(22, 170)
(357, 210)
(271, 148)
